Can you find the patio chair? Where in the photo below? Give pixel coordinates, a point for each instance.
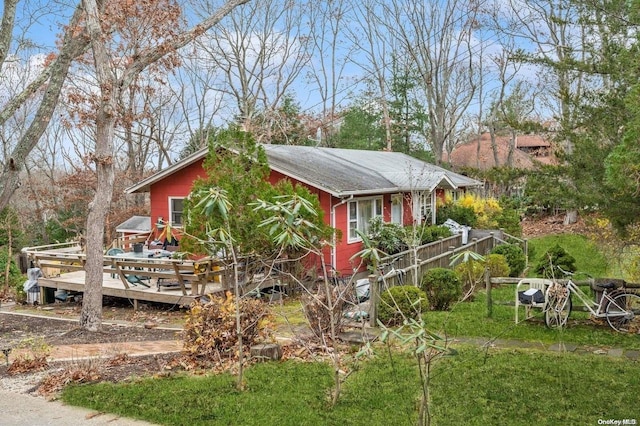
(530, 293)
(114, 252)
(137, 280)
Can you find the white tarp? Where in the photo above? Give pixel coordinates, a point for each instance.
(456, 228)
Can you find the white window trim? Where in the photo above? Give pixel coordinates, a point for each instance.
(356, 238)
(424, 199)
(454, 194)
(170, 218)
(397, 198)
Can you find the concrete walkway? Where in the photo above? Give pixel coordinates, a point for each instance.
(26, 410)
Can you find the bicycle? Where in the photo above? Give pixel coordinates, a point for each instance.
(392, 273)
(362, 286)
(619, 306)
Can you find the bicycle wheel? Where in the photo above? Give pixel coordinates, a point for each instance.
(623, 313)
(557, 307)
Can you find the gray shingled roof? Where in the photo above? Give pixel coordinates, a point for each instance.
(349, 171)
(344, 172)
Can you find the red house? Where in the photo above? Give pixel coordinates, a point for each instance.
(352, 185)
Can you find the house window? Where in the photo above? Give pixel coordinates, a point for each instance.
(453, 194)
(176, 206)
(396, 209)
(360, 212)
(424, 205)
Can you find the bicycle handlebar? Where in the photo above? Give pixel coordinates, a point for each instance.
(571, 274)
(389, 263)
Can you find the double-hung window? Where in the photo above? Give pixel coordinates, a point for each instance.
(424, 206)
(176, 206)
(396, 209)
(359, 214)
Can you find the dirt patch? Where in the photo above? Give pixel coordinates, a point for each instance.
(15, 328)
(550, 225)
(19, 328)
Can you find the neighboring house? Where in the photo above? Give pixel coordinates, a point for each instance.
(526, 152)
(352, 186)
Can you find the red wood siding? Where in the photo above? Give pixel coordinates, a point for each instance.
(177, 185)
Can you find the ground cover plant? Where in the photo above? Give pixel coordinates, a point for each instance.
(472, 387)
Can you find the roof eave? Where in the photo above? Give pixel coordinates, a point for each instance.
(145, 184)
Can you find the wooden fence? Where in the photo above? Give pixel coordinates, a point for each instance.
(409, 266)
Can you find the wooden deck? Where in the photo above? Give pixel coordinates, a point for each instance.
(164, 279)
(75, 282)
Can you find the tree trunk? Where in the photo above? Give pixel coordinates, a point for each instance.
(111, 89)
(91, 314)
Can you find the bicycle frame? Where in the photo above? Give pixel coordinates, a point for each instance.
(597, 309)
(396, 276)
(620, 307)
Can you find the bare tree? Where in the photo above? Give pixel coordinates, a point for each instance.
(261, 54)
(331, 56)
(112, 82)
(549, 32)
(377, 47)
(502, 65)
(196, 93)
(438, 38)
(73, 43)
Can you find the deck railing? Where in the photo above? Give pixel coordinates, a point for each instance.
(54, 260)
(409, 266)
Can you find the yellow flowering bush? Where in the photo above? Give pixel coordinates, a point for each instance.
(487, 210)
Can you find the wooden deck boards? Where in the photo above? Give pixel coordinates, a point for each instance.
(75, 281)
(182, 280)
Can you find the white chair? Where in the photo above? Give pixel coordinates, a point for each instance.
(529, 287)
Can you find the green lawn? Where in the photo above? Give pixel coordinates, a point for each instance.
(473, 387)
(588, 258)
(470, 319)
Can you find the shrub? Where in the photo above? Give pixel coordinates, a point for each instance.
(426, 234)
(442, 286)
(400, 302)
(14, 279)
(464, 215)
(553, 260)
(471, 273)
(509, 220)
(210, 328)
(389, 237)
(498, 265)
(515, 258)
